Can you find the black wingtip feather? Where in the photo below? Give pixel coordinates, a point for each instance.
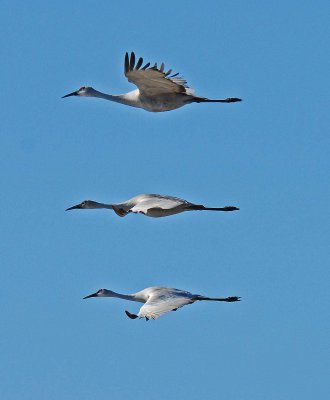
(130, 315)
(146, 66)
(126, 63)
(132, 61)
(139, 63)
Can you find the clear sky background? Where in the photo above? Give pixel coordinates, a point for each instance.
(269, 155)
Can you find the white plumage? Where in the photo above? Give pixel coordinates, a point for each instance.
(159, 300)
(151, 205)
(157, 90)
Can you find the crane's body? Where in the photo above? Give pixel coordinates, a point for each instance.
(151, 205)
(157, 91)
(159, 300)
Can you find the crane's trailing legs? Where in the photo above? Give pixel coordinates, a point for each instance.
(198, 207)
(229, 100)
(230, 299)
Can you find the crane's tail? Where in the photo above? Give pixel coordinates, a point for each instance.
(200, 207)
(205, 100)
(230, 299)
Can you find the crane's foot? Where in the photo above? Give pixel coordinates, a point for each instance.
(233, 298)
(130, 315)
(232, 100)
(230, 208)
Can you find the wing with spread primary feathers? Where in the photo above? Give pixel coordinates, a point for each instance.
(152, 81)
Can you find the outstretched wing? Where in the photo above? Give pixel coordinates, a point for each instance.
(145, 202)
(152, 81)
(158, 305)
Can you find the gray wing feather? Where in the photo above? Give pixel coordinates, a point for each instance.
(161, 196)
(152, 80)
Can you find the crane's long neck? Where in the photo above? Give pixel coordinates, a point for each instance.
(101, 205)
(131, 297)
(119, 209)
(123, 296)
(130, 99)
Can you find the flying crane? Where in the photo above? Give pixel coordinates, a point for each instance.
(151, 205)
(159, 300)
(157, 90)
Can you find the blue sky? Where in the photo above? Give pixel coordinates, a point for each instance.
(269, 155)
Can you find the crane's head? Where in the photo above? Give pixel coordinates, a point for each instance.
(100, 293)
(86, 204)
(83, 91)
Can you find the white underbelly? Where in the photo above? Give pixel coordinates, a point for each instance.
(159, 212)
(164, 103)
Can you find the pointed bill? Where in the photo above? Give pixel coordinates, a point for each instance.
(76, 207)
(90, 295)
(70, 94)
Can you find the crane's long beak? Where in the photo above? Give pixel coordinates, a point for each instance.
(71, 94)
(91, 295)
(73, 207)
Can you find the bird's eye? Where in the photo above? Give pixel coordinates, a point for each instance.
(83, 88)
